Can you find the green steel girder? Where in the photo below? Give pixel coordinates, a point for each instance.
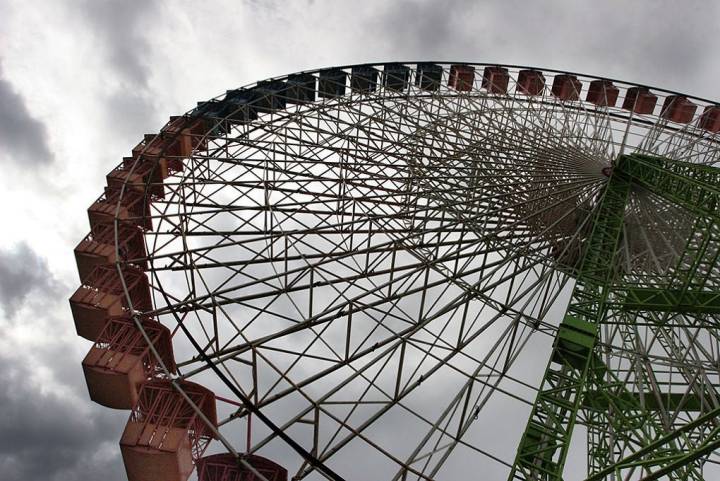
(681, 292)
(698, 261)
(631, 422)
(689, 290)
(636, 421)
(670, 300)
(695, 187)
(630, 401)
(662, 457)
(544, 445)
(685, 291)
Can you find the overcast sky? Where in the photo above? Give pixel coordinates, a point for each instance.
(81, 81)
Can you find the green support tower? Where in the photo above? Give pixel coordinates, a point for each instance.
(576, 384)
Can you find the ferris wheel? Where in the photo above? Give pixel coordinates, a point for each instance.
(413, 271)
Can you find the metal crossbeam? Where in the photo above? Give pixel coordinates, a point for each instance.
(597, 400)
(670, 300)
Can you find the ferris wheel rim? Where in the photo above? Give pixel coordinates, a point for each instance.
(208, 361)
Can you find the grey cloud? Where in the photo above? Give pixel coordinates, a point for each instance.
(430, 29)
(671, 43)
(658, 43)
(22, 135)
(124, 28)
(48, 434)
(22, 273)
(47, 437)
(131, 114)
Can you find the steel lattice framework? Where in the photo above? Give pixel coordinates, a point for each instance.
(417, 271)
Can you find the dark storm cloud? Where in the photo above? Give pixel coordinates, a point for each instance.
(24, 273)
(47, 436)
(22, 135)
(658, 43)
(47, 433)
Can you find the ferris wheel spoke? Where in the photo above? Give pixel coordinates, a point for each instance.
(442, 362)
(464, 422)
(221, 353)
(419, 266)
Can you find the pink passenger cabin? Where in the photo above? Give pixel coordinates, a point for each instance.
(121, 360)
(160, 150)
(134, 208)
(101, 296)
(139, 177)
(710, 119)
(189, 133)
(495, 79)
(678, 108)
(461, 77)
(98, 248)
(639, 100)
(226, 467)
(165, 436)
(602, 93)
(530, 82)
(566, 87)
